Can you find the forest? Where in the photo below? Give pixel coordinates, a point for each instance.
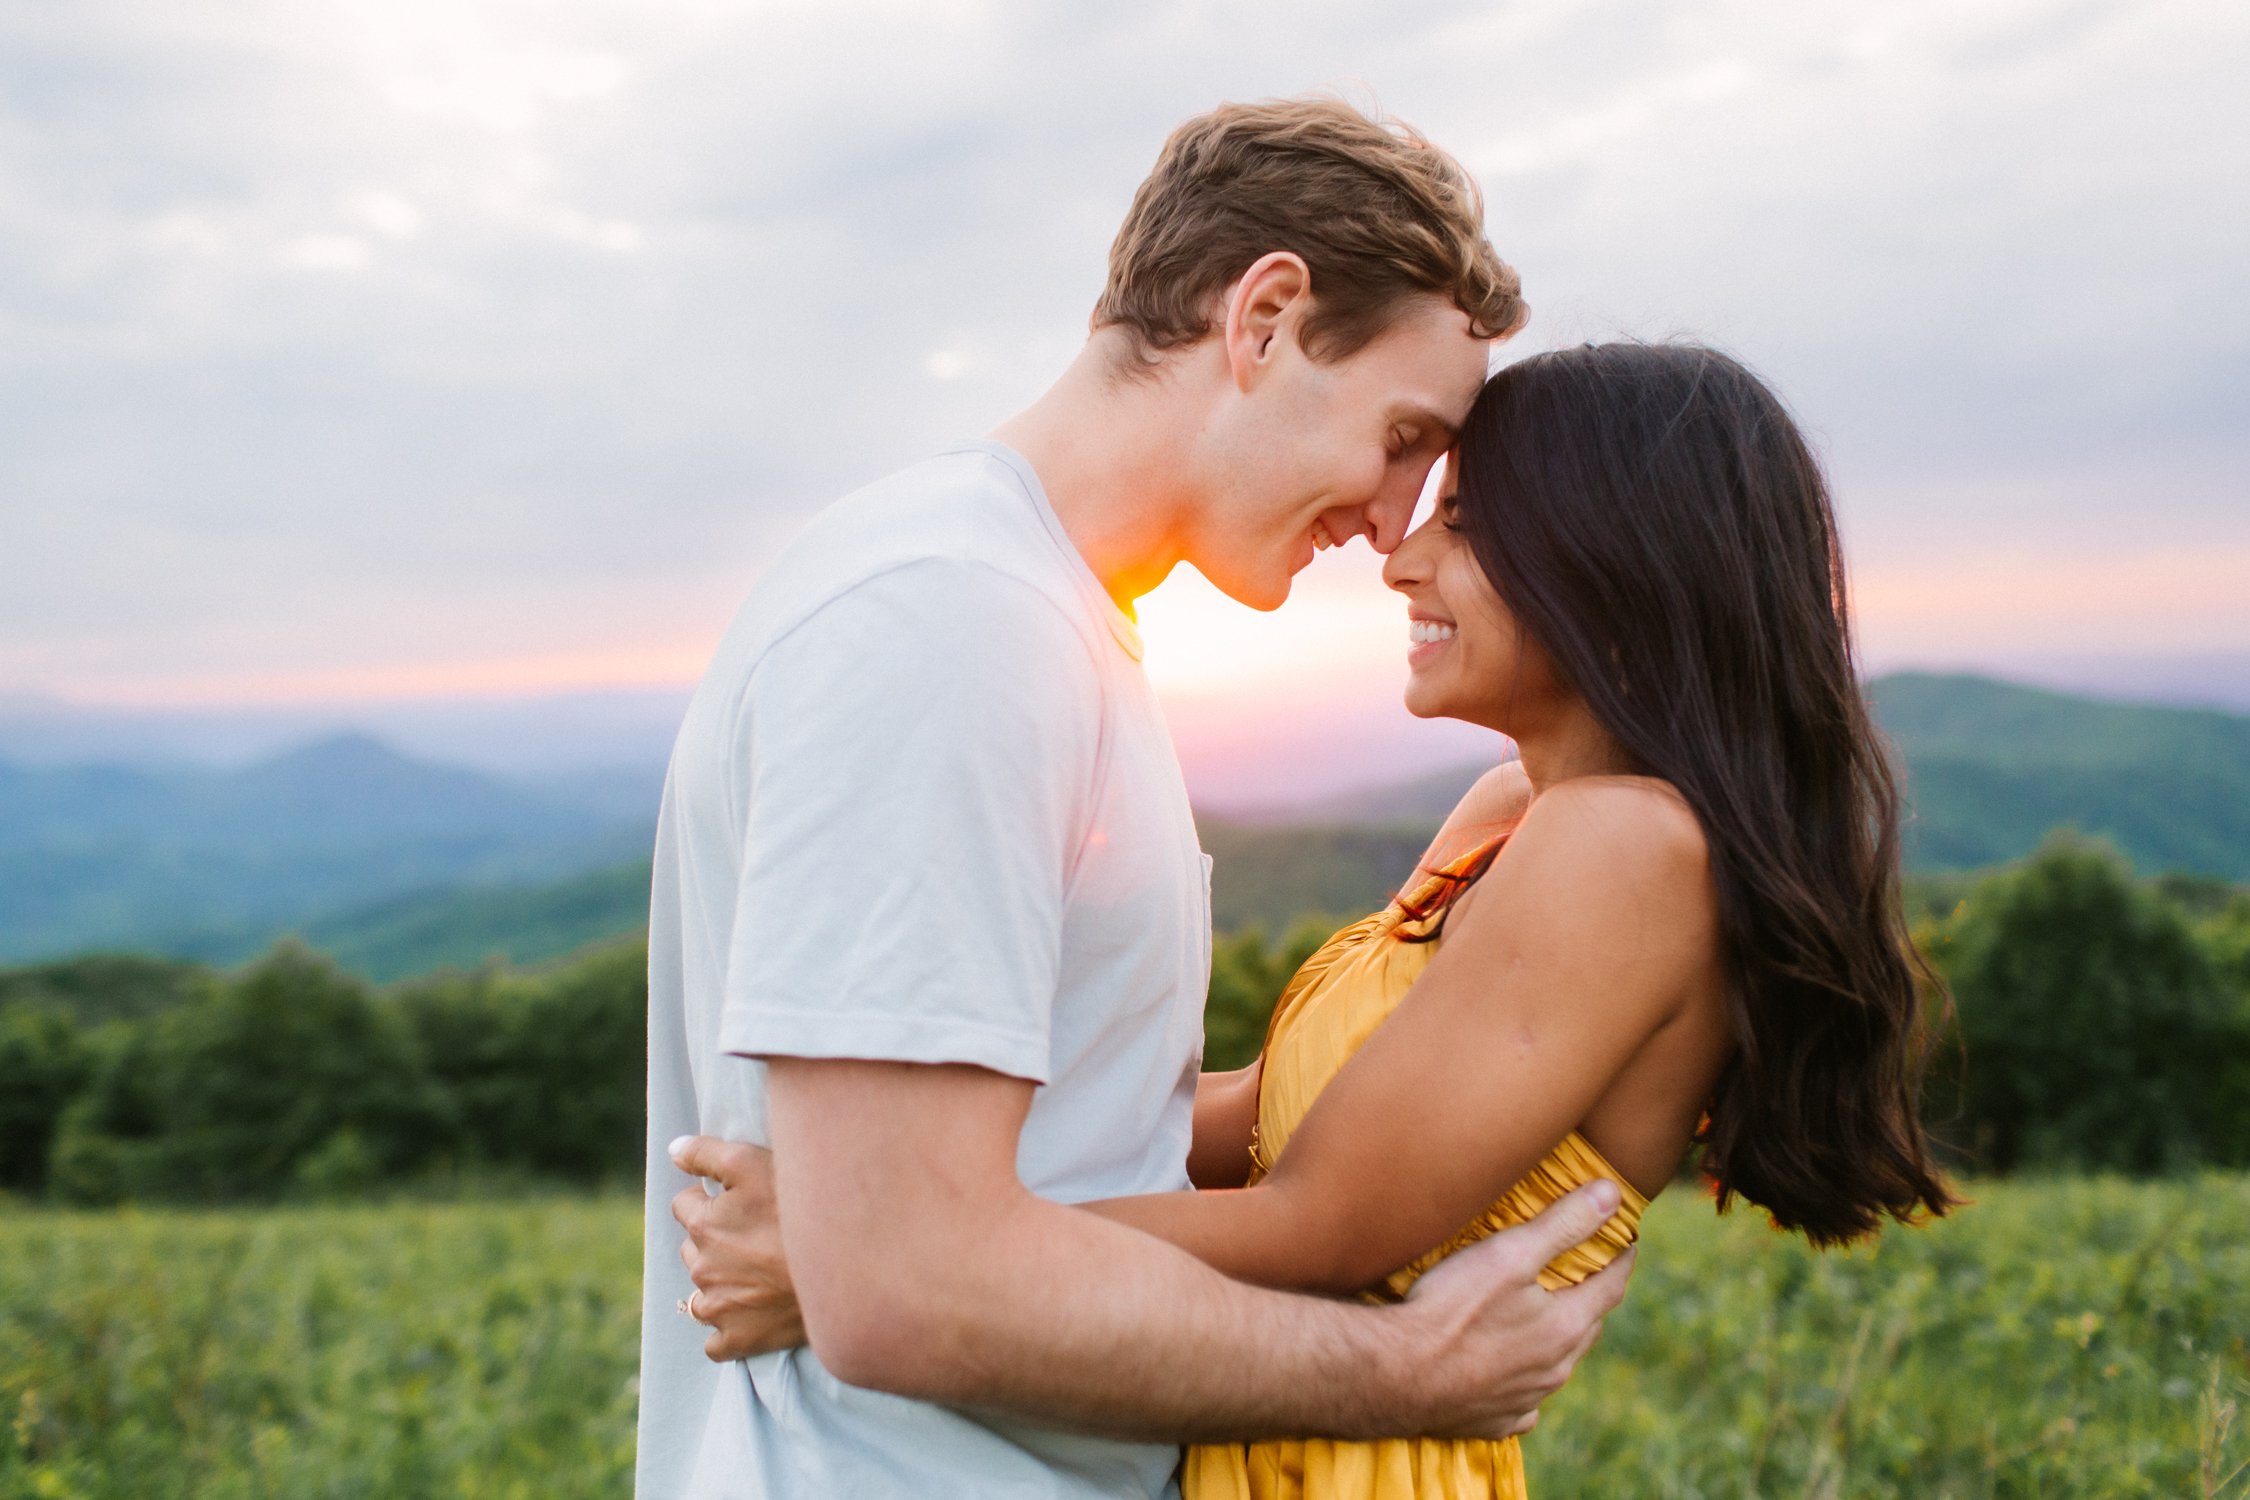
(2090, 1020)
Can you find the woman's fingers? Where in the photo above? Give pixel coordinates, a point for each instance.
(689, 1205)
(728, 1163)
(743, 1325)
(732, 1248)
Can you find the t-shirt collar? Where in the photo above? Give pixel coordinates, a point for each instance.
(1120, 623)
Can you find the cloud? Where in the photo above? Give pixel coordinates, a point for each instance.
(335, 336)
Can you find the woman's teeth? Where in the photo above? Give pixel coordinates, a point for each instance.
(1320, 539)
(1426, 631)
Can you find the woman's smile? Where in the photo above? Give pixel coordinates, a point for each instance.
(1428, 637)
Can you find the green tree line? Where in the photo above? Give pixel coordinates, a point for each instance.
(291, 1077)
(2098, 1022)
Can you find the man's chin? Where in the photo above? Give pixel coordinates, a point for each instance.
(1262, 594)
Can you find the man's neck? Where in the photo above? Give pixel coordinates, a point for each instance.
(1113, 455)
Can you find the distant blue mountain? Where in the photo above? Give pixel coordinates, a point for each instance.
(462, 926)
(397, 863)
(1992, 766)
(105, 856)
(512, 736)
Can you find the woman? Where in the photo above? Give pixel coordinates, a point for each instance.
(1677, 919)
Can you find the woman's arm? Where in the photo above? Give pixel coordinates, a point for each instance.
(1570, 954)
(1226, 1104)
(1226, 1111)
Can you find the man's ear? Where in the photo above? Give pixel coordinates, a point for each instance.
(1265, 312)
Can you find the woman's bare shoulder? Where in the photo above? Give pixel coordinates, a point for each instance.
(1641, 819)
(1494, 803)
(1500, 795)
(1627, 849)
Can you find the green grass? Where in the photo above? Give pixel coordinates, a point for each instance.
(2057, 1339)
(2066, 1339)
(395, 1352)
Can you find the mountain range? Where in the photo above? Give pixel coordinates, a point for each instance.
(1990, 769)
(1992, 766)
(202, 860)
(396, 864)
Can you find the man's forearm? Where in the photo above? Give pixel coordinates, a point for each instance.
(923, 1267)
(1068, 1320)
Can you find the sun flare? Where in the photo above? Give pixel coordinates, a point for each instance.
(1341, 627)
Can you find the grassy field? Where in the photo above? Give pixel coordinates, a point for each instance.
(2060, 1339)
(2057, 1340)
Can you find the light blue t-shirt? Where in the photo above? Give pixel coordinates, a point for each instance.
(923, 808)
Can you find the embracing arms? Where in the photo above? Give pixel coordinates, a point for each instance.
(923, 1267)
(1573, 952)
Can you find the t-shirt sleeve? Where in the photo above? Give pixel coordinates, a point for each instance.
(917, 762)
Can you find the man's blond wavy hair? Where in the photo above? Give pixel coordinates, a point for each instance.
(1377, 213)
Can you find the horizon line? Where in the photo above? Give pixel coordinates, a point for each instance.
(477, 682)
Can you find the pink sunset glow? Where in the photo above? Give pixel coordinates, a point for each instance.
(1293, 706)
(654, 666)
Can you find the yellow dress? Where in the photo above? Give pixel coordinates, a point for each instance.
(1332, 1005)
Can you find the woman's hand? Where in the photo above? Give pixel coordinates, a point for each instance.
(733, 1250)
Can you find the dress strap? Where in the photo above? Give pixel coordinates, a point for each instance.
(1441, 887)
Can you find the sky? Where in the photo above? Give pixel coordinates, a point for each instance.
(448, 350)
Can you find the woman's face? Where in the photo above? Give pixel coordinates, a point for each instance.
(1467, 657)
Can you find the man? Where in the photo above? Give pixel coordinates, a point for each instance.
(930, 918)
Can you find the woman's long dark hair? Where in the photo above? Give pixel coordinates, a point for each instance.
(1657, 525)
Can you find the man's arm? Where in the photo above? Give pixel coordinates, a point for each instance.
(925, 1268)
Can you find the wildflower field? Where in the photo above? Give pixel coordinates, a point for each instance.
(2064, 1338)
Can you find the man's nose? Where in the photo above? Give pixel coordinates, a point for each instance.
(1388, 519)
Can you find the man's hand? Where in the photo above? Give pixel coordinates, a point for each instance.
(1497, 1343)
(733, 1250)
